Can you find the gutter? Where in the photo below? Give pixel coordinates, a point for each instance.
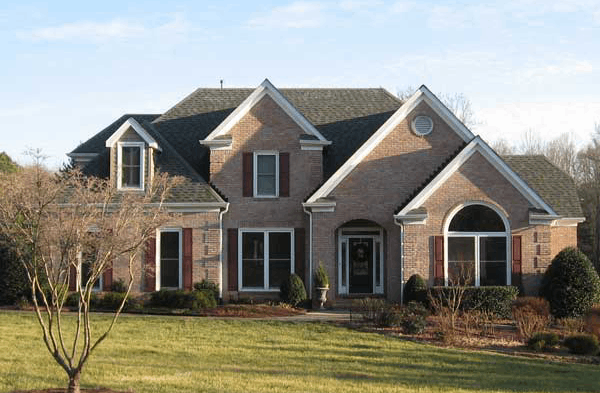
(221, 213)
(401, 225)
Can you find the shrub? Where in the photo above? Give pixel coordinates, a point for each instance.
(73, 300)
(180, 299)
(111, 301)
(118, 286)
(571, 284)
(209, 285)
(541, 341)
(321, 277)
(292, 290)
(13, 277)
(496, 300)
(415, 289)
(413, 318)
(582, 344)
(531, 314)
(370, 308)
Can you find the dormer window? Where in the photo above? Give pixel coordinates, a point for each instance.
(130, 160)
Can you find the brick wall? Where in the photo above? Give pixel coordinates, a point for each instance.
(266, 127)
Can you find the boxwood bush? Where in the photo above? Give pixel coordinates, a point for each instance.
(571, 284)
(496, 300)
(542, 341)
(415, 290)
(180, 299)
(582, 344)
(292, 290)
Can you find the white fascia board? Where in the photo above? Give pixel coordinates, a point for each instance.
(131, 122)
(423, 94)
(478, 145)
(568, 221)
(320, 207)
(82, 157)
(265, 88)
(217, 144)
(313, 145)
(411, 219)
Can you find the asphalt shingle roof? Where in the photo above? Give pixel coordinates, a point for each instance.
(346, 117)
(552, 184)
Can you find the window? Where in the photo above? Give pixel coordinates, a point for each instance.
(131, 165)
(477, 248)
(266, 174)
(169, 259)
(266, 258)
(88, 257)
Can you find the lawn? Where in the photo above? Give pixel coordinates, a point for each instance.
(185, 354)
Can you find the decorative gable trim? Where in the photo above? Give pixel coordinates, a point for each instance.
(421, 95)
(265, 88)
(477, 145)
(132, 123)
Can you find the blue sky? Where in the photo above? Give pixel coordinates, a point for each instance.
(68, 69)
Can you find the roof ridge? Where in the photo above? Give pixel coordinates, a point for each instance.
(158, 119)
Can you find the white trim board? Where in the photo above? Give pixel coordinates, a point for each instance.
(477, 145)
(421, 95)
(131, 122)
(265, 88)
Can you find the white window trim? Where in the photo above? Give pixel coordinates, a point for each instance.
(477, 235)
(265, 232)
(157, 273)
(345, 289)
(255, 173)
(120, 146)
(80, 275)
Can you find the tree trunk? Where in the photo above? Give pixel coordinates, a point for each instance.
(74, 382)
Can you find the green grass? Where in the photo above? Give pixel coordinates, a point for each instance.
(182, 354)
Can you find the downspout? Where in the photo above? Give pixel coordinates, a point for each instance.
(310, 252)
(221, 213)
(399, 223)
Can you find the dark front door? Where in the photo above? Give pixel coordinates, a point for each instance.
(361, 265)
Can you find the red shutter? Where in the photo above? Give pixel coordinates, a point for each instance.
(232, 259)
(187, 259)
(72, 278)
(299, 258)
(284, 174)
(248, 174)
(439, 260)
(107, 278)
(516, 260)
(150, 266)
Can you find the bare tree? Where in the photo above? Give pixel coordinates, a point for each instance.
(562, 152)
(531, 143)
(67, 230)
(503, 147)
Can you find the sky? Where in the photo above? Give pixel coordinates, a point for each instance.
(68, 69)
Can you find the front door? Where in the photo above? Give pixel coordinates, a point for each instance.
(361, 265)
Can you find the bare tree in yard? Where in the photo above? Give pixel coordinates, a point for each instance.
(72, 228)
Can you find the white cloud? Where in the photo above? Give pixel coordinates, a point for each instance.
(297, 15)
(358, 5)
(568, 67)
(115, 29)
(402, 6)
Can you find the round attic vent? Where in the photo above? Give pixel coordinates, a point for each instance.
(422, 125)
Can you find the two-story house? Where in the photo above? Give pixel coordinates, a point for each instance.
(376, 189)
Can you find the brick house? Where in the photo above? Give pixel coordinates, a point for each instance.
(278, 180)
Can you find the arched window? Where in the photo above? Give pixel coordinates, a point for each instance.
(477, 239)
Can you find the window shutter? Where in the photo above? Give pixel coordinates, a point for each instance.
(187, 259)
(299, 255)
(284, 174)
(150, 266)
(232, 259)
(516, 261)
(107, 278)
(248, 174)
(439, 260)
(72, 278)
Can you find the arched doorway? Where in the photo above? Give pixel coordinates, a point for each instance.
(478, 248)
(360, 258)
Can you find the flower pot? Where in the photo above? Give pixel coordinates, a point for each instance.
(322, 291)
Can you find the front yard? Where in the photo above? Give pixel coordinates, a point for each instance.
(186, 354)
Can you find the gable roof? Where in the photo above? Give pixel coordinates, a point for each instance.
(551, 183)
(476, 145)
(133, 124)
(421, 95)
